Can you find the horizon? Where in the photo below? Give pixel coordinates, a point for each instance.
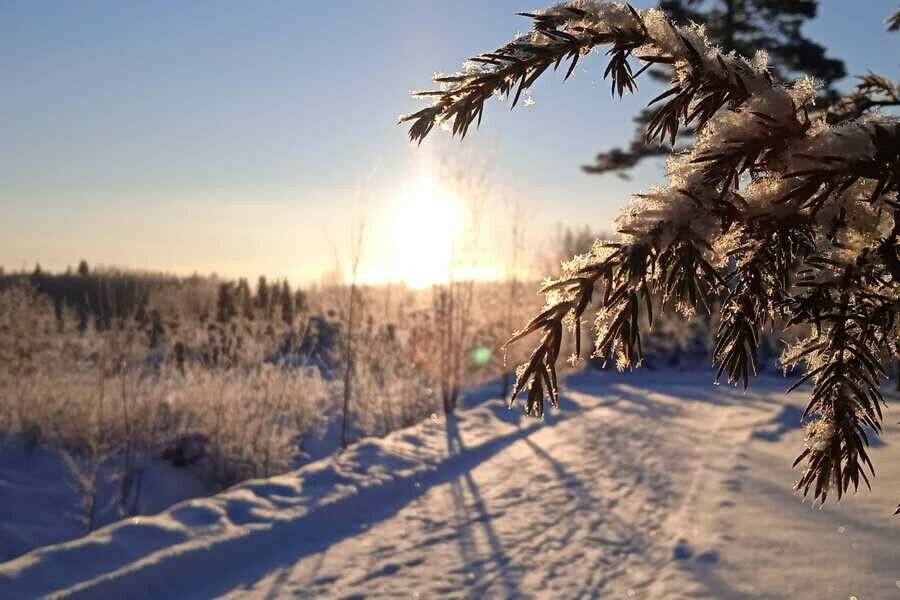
(327, 279)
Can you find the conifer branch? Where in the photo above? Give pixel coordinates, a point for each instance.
(894, 21)
(773, 208)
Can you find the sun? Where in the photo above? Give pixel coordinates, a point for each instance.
(426, 234)
(422, 228)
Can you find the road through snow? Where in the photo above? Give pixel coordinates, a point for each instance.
(651, 486)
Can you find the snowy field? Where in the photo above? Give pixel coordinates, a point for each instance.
(655, 485)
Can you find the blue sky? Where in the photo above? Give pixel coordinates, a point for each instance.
(244, 138)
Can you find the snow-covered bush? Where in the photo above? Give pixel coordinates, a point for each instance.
(781, 212)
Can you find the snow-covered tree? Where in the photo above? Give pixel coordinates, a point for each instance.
(778, 212)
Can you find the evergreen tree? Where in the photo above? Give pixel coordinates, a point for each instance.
(83, 269)
(287, 303)
(245, 298)
(745, 27)
(243, 290)
(225, 306)
(274, 300)
(782, 214)
(262, 293)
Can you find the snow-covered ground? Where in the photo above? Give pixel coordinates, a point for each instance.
(40, 503)
(653, 485)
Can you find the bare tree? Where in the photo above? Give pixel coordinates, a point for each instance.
(453, 302)
(517, 239)
(353, 302)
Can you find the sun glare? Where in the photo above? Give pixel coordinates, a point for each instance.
(421, 228)
(423, 237)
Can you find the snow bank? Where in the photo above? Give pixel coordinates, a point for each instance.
(40, 503)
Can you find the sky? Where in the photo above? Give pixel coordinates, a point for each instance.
(248, 138)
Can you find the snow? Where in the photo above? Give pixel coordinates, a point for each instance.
(648, 485)
(40, 503)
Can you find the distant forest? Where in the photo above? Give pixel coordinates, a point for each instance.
(99, 297)
(102, 296)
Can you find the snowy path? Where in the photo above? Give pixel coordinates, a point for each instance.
(641, 487)
(567, 509)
